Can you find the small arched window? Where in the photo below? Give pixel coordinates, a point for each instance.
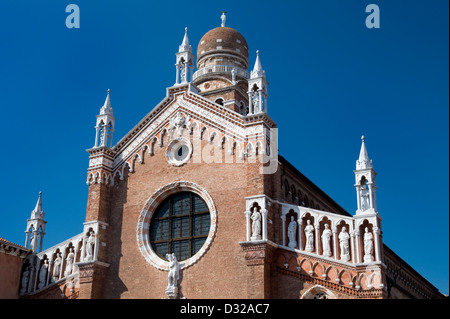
(219, 101)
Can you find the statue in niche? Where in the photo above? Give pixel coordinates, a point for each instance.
(256, 225)
(364, 197)
(368, 246)
(173, 276)
(344, 244)
(183, 72)
(309, 232)
(43, 274)
(25, 279)
(326, 236)
(57, 267)
(69, 262)
(90, 245)
(32, 240)
(292, 230)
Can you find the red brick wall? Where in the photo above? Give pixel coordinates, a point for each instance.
(9, 276)
(221, 272)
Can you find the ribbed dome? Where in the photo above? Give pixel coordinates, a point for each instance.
(222, 39)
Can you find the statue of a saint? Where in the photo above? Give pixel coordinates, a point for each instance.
(309, 232)
(344, 244)
(292, 231)
(43, 274)
(256, 225)
(69, 262)
(25, 278)
(326, 236)
(57, 267)
(173, 276)
(223, 17)
(364, 197)
(233, 76)
(90, 245)
(368, 246)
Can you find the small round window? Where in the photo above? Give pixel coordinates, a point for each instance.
(180, 225)
(179, 151)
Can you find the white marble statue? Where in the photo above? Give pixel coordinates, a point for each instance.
(364, 197)
(309, 232)
(173, 277)
(43, 274)
(25, 278)
(326, 236)
(57, 267)
(256, 225)
(368, 246)
(292, 231)
(233, 76)
(344, 244)
(69, 262)
(90, 241)
(223, 17)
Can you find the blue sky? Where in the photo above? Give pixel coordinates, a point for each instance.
(331, 80)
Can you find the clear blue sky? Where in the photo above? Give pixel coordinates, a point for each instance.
(331, 81)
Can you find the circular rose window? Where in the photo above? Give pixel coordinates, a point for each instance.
(180, 225)
(179, 218)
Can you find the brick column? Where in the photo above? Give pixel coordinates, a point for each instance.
(90, 288)
(258, 255)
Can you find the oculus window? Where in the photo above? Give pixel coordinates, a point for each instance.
(180, 225)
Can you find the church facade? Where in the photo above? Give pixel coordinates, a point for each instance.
(195, 202)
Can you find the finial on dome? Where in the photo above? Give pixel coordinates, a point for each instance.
(362, 137)
(224, 18)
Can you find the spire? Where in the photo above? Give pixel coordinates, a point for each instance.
(105, 124)
(257, 69)
(106, 108)
(185, 46)
(363, 162)
(38, 212)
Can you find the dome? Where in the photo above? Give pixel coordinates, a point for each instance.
(223, 39)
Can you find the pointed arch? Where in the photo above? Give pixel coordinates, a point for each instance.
(318, 269)
(143, 150)
(212, 136)
(318, 292)
(249, 149)
(259, 148)
(202, 134)
(232, 148)
(151, 149)
(163, 135)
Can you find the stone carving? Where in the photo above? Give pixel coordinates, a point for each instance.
(57, 267)
(223, 17)
(69, 262)
(233, 76)
(173, 277)
(326, 236)
(309, 232)
(292, 230)
(256, 225)
(90, 246)
(364, 197)
(368, 246)
(344, 244)
(25, 279)
(43, 274)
